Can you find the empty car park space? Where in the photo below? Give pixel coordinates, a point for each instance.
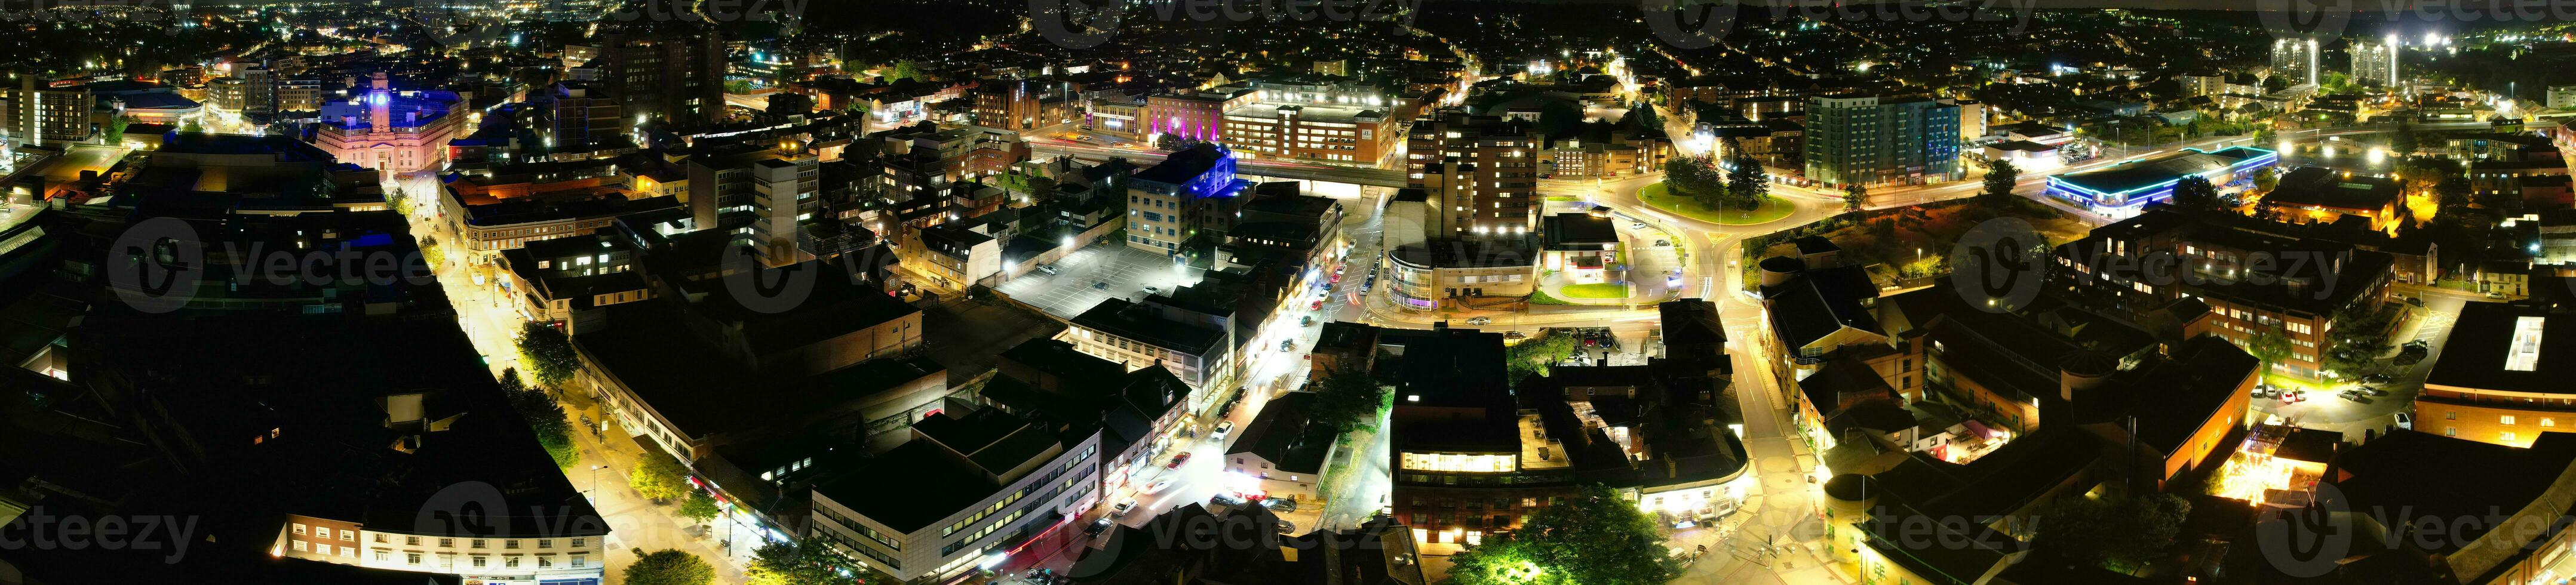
(1094, 273)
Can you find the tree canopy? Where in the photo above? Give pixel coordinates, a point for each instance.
(669, 567)
(1594, 537)
(547, 353)
(2111, 531)
(810, 561)
(1348, 399)
(659, 478)
(2001, 177)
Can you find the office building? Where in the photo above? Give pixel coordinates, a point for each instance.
(2502, 376)
(971, 489)
(782, 198)
(1479, 174)
(578, 117)
(2253, 276)
(1868, 141)
(671, 74)
(1023, 104)
(1191, 192)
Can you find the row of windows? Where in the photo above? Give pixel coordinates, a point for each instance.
(352, 535)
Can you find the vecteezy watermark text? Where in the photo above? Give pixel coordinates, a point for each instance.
(157, 264)
(40, 529)
(1082, 25)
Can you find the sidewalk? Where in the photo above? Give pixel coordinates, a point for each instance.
(633, 521)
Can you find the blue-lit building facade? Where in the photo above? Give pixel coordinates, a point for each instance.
(1191, 192)
(2120, 190)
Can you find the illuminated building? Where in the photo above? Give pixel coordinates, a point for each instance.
(1471, 459)
(670, 75)
(46, 117)
(2502, 377)
(2125, 187)
(1861, 140)
(1190, 192)
(2296, 59)
(2375, 64)
(401, 133)
(2252, 277)
(2321, 195)
(1479, 174)
(973, 489)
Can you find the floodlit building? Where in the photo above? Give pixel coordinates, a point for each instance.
(962, 494)
(2122, 189)
(2296, 59)
(2375, 63)
(402, 132)
(1191, 191)
(1866, 140)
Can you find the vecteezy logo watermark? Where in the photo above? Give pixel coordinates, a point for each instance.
(157, 265)
(763, 288)
(2305, 22)
(1712, 20)
(1077, 24)
(1999, 265)
(139, 11)
(1673, 20)
(40, 529)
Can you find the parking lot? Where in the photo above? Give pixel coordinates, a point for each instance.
(1095, 273)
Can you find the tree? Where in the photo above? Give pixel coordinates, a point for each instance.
(2403, 142)
(1746, 187)
(544, 416)
(2451, 193)
(1594, 537)
(669, 567)
(2268, 346)
(2194, 192)
(1854, 198)
(659, 478)
(1348, 399)
(805, 562)
(699, 507)
(2359, 336)
(192, 127)
(1532, 356)
(2001, 178)
(905, 69)
(430, 252)
(400, 203)
(2268, 178)
(1695, 178)
(115, 131)
(2111, 530)
(548, 353)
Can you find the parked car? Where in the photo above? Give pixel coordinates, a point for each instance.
(1097, 527)
(2405, 421)
(2495, 295)
(1224, 500)
(1286, 344)
(1280, 504)
(1177, 460)
(1221, 429)
(1318, 305)
(1636, 225)
(1286, 528)
(1049, 269)
(2416, 301)
(1657, 242)
(1157, 486)
(1151, 290)
(1515, 334)
(1122, 508)
(1480, 320)
(2377, 379)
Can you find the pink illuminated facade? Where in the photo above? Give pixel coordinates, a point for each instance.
(398, 133)
(1197, 116)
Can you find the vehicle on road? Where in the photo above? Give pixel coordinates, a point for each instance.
(1663, 242)
(1225, 499)
(1151, 290)
(1480, 320)
(2405, 421)
(2377, 379)
(1177, 460)
(1280, 504)
(1318, 305)
(1049, 269)
(1515, 334)
(1097, 527)
(1157, 486)
(1221, 429)
(1286, 528)
(1306, 321)
(2495, 295)
(1636, 225)
(1122, 508)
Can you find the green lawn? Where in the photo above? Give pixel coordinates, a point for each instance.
(1605, 290)
(1661, 197)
